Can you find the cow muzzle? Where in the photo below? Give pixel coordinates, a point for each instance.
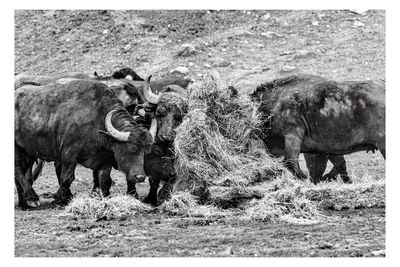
(140, 178)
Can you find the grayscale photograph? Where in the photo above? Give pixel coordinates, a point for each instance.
(199, 133)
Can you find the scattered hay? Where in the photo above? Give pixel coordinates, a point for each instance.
(339, 196)
(184, 203)
(89, 205)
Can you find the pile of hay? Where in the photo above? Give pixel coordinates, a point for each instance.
(217, 144)
(94, 206)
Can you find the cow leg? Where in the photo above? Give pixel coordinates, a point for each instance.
(320, 163)
(131, 184)
(316, 164)
(152, 196)
(20, 191)
(27, 197)
(166, 190)
(292, 151)
(339, 164)
(96, 180)
(63, 194)
(330, 176)
(104, 180)
(310, 162)
(57, 166)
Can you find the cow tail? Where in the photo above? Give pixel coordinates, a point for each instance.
(38, 170)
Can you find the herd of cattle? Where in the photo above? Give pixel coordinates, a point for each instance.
(128, 123)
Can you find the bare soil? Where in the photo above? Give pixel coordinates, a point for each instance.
(246, 47)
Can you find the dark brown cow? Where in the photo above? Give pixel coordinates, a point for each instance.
(81, 122)
(310, 114)
(169, 107)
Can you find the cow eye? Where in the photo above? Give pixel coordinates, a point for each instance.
(178, 116)
(161, 111)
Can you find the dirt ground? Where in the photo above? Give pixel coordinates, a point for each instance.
(246, 47)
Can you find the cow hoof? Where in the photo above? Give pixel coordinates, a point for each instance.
(150, 201)
(33, 203)
(60, 202)
(140, 178)
(347, 181)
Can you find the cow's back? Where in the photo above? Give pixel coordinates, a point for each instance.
(23, 78)
(336, 117)
(49, 117)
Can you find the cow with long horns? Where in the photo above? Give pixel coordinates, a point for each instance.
(81, 122)
(168, 107)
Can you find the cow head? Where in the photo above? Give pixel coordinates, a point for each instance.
(129, 145)
(170, 107)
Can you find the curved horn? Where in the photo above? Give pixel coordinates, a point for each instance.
(148, 94)
(120, 136)
(153, 128)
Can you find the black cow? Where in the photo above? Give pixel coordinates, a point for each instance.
(81, 122)
(310, 114)
(158, 165)
(168, 108)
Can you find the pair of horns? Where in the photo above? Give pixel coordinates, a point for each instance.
(124, 136)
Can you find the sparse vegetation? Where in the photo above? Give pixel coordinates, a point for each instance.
(253, 207)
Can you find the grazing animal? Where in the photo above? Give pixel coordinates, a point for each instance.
(80, 121)
(126, 92)
(171, 106)
(158, 165)
(310, 114)
(168, 108)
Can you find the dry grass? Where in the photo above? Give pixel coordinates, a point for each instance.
(93, 206)
(338, 196)
(184, 203)
(217, 141)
